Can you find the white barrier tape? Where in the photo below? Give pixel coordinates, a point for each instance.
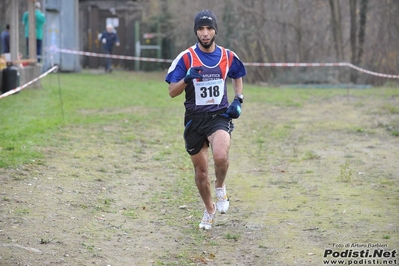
(28, 83)
(324, 65)
(295, 64)
(147, 59)
(373, 73)
(246, 64)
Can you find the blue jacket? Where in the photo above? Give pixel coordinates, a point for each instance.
(5, 42)
(111, 39)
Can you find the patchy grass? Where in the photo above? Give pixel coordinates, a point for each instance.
(111, 184)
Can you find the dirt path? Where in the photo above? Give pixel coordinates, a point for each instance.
(302, 180)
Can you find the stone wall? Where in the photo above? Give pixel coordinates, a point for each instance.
(28, 73)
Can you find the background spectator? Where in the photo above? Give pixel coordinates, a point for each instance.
(5, 40)
(40, 20)
(108, 39)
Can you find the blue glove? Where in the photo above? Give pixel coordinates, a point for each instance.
(193, 73)
(234, 110)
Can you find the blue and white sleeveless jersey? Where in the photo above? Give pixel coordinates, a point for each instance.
(210, 93)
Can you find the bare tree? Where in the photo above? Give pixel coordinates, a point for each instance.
(362, 29)
(298, 29)
(363, 32)
(353, 27)
(337, 30)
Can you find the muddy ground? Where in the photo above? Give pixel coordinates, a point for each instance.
(302, 180)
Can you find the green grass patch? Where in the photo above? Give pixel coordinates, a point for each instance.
(395, 133)
(391, 108)
(281, 173)
(22, 211)
(310, 155)
(29, 118)
(234, 237)
(131, 214)
(346, 173)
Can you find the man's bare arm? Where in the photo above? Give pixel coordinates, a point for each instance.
(237, 85)
(176, 88)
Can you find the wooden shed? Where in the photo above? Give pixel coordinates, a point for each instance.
(93, 18)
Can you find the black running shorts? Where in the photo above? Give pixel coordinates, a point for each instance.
(198, 127)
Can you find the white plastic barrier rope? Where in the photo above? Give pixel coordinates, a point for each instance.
(372, 73)
(324, 65)
(54, 68)
(295, 64)
(147, 59)
(246, 64)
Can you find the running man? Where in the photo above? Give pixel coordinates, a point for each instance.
(201, 72)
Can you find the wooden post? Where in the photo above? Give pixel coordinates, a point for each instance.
(32, 29)
(14, 31)
(159, 43)
(138, 41)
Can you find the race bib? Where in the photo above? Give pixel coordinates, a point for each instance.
(208, 92)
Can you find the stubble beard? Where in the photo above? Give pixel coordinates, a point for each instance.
(208, 45)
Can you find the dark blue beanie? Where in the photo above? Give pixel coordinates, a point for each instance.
(205, 18)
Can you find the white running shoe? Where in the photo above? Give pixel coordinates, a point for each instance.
(223, 201)
(207, 220)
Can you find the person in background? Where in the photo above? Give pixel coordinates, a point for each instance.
(40, 20)
(201, 72)
(109, 38)
(5, 40)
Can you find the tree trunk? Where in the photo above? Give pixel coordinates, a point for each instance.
(362, 29)
(353, 27)
(298, 29)
(337, 29)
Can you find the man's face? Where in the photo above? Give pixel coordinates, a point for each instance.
(206, 36)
